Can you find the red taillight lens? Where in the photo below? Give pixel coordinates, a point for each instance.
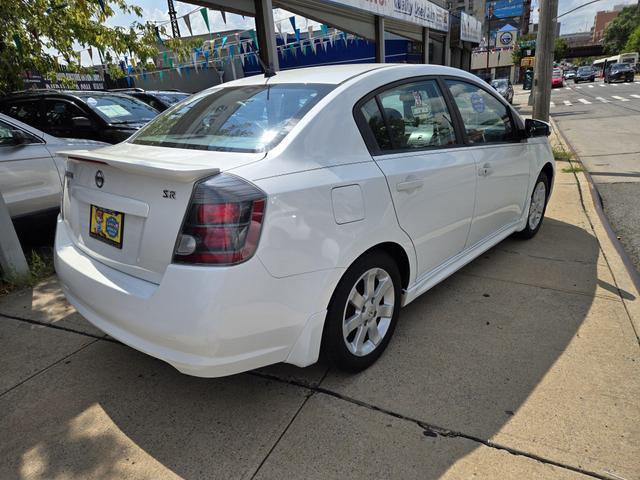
(223, 223)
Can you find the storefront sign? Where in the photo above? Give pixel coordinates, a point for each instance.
(470, 28)
(420, 12)
(504, 8)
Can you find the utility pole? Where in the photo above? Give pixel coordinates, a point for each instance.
(544, 59)
(175, 29)
(490, 14)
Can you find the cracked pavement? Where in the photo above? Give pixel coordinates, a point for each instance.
(524, 364)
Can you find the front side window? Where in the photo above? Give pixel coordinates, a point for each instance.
(60, 114)
(10, 135)
(485, 118)
(236, 119)
(416, 115)
(118, 109)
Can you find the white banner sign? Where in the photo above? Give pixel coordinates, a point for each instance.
(470, 28)
(420, 12)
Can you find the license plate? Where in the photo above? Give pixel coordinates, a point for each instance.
(106, 226)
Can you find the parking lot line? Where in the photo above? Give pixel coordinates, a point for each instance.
(586, 102)
(567, 103)
(602, 100)
(622, 99)
(578, 87)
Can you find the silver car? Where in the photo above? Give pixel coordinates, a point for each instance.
(30, 173)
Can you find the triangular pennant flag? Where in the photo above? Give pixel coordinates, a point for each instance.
(187, 22)
(179, 71)
(165, 58)
(158, 37)
(324, 29)
(252, 32)
(128, 80)
(171, 63)
(242, 57)
(101, 3)
(313, 45)
(161, 75)
(224, 16)
(232, 50)
(332, 38)
(241, 47)
(205, 16)
(144, 75)
(224, 40)
(292, 19)
(324, 45)
(279, 27)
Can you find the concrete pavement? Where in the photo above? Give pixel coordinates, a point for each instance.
(525, 364)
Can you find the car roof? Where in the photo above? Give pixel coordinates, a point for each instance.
(55, 92)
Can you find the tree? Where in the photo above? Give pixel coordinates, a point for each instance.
(633, 44)
(31, 31)
(620, 29)
(560, 49)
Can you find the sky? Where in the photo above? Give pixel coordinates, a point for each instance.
(157, 11)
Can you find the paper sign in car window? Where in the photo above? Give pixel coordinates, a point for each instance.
(112, 111)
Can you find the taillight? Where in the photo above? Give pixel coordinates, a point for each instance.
(223, 223)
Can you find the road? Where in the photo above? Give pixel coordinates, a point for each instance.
(602, 123)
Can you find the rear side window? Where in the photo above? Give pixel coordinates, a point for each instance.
(236, 119)
(485, 118)
(26, 111)
(60, 113)
(415, 115)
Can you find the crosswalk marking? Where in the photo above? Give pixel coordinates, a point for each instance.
(622, 99)
(590, 86)
(567, 103)
(567, 88)
(586, 102)
(635, 96)
(578, 88)
(552, 104)
(603, 84)
(602, 100)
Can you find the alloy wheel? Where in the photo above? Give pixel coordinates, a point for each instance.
(538, 200)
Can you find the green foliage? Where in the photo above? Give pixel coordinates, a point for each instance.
(619, 31)
(560, 49)
(522, 46)
(633, 44)
(30, 30)
(40, 267)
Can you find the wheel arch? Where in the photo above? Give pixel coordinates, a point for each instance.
(549, 171)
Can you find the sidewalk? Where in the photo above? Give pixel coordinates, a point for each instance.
(523, 365)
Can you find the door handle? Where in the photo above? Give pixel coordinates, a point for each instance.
(485, 170)
(409, 184)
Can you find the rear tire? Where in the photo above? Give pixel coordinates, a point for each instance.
(362, 313)
(537, 207)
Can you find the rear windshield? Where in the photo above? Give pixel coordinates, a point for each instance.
(169, 98)
(118, 109)
(584, 70)
(251, 118)
(621, 66)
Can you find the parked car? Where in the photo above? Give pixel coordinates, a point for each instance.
(158, 99)
(619, 72)
(269, 218)
(569, 74)
(94, 115)
(30, 172)
(557, 80)
(585, 74)
(504, 87)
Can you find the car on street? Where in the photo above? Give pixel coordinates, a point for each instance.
(569, 74)
(266, 219)
(504, 87)
(557, 79)
(158, 99)
(619, 72)
(585, 74)
(30, 171)
(94, 115)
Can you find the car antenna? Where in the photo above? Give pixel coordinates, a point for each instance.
(268, 71)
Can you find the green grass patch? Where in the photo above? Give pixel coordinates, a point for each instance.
(573, 169)
(560, 154)
(40, 266)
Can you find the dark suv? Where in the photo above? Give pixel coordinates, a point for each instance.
(585, 74)
(103, 116)
(619, 72)
(158, 99)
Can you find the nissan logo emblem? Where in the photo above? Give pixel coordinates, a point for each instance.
(99, 179)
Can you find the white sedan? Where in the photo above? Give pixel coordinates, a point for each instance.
(265, 220)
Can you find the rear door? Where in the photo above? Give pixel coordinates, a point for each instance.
(503, 159)
(410, 132)
(29, 180)
(64, 119)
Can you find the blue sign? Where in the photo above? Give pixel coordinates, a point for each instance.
(112, 227)
(505, 8)
(477, 103)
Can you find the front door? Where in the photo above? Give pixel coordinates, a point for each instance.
(431, 176)
(502, 159)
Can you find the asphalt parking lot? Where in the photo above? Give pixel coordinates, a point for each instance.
(525, 364)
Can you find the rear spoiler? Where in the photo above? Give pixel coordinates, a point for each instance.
(163, 169)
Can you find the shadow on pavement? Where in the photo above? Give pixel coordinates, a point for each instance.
(465, 357)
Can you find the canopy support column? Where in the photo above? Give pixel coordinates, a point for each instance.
(380, 54)
(266, 34)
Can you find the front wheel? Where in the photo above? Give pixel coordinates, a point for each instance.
(537, 207)
(363, 312)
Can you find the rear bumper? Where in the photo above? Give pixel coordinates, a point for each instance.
(205, 321)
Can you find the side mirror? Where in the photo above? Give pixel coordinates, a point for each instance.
(81, 122)
(536, 128)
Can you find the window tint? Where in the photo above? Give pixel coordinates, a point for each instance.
(485, 118)
(27, 111)
(59, 114)
(236, 119)
(374, 120)
(417, 116)
(6, 134)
